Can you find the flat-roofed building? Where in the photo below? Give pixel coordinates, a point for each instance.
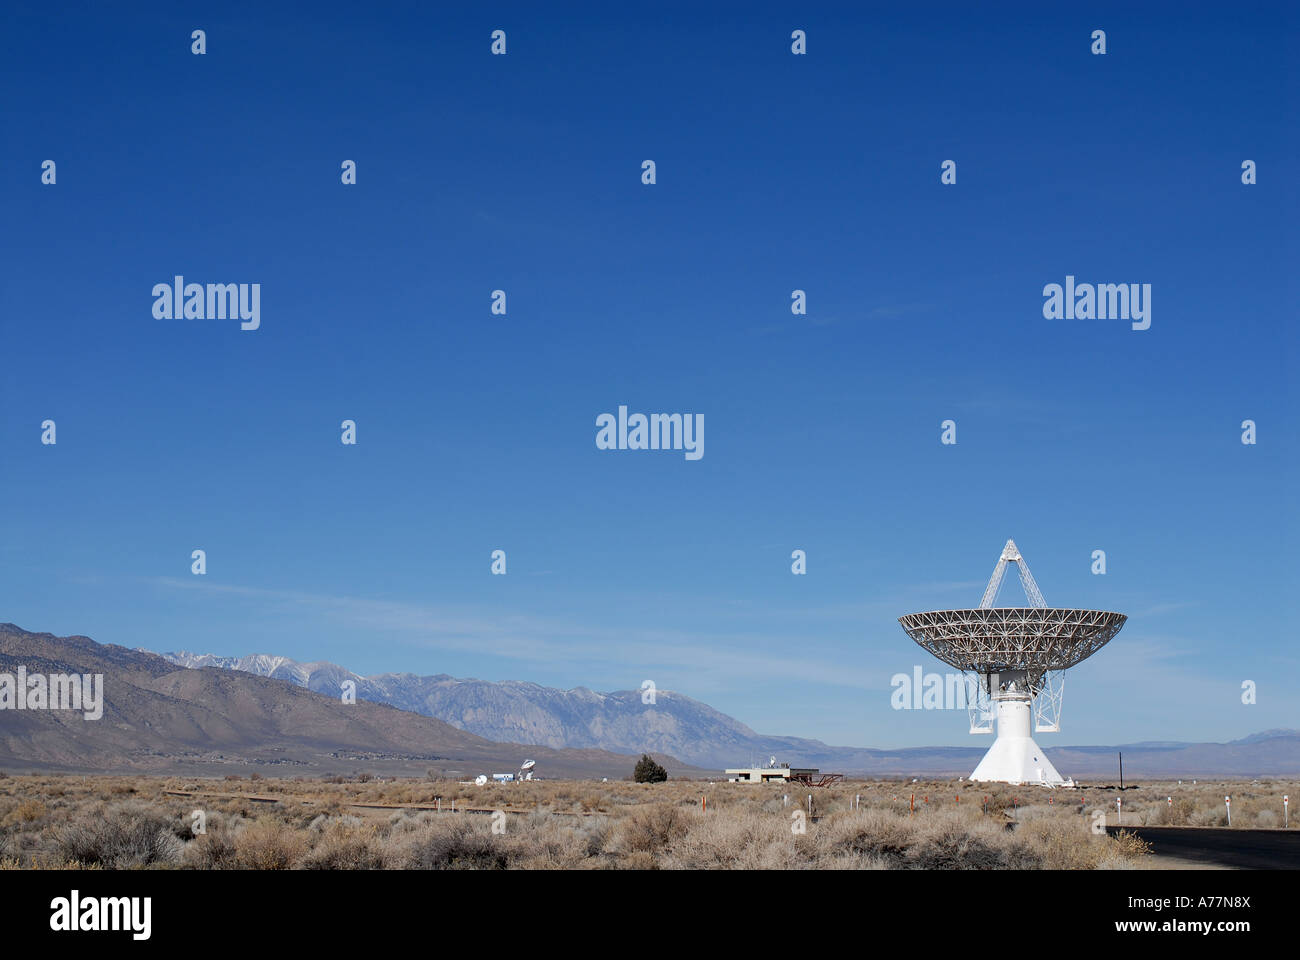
(783, 773)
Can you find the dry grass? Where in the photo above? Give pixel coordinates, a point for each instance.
(124, 822)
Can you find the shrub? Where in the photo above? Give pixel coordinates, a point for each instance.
(956, 846)
(456, 846)
(1129, 846)
(652, 827)
(25, 812)
(266, 845)
(214, 850)
(1213, 816)
(647, 771)
(123, 837)
(1178, 813)
(747, 841)
(344, 845)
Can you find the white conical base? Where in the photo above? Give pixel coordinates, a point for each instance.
(1014, 757)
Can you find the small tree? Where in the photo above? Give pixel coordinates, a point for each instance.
(647, 771)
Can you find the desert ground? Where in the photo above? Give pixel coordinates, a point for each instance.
(362, 822)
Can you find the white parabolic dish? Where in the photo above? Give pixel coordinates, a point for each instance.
(1013, 650)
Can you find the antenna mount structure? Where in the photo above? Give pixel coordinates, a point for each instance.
(1014, 658)
(1012, 555)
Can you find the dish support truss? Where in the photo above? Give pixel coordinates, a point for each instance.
(1048, 689)
(1048, 694)
(1010, 554)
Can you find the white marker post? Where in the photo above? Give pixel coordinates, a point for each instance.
(1286, 803)
(1119, 809)
(1227, 802)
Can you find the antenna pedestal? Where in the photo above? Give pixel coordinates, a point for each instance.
(1014, 756)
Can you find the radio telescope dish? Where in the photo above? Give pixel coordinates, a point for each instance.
(528, 765)
(480, 780)
(1017, 657)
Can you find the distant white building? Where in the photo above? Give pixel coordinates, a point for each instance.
(782, 773)
(758, 774)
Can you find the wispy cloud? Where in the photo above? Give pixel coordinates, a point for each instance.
(814, 319)
(537, 639)
(1159, 608)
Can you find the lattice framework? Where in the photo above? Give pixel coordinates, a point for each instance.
(997, 639)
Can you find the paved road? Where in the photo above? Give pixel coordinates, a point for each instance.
(1244, 849)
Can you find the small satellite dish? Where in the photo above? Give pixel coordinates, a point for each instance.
(480, 780)
(528, 765)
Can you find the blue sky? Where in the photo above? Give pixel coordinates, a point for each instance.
(477, 432)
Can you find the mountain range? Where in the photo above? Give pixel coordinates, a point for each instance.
(159, 717)
(693, 732)
(206, 716)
